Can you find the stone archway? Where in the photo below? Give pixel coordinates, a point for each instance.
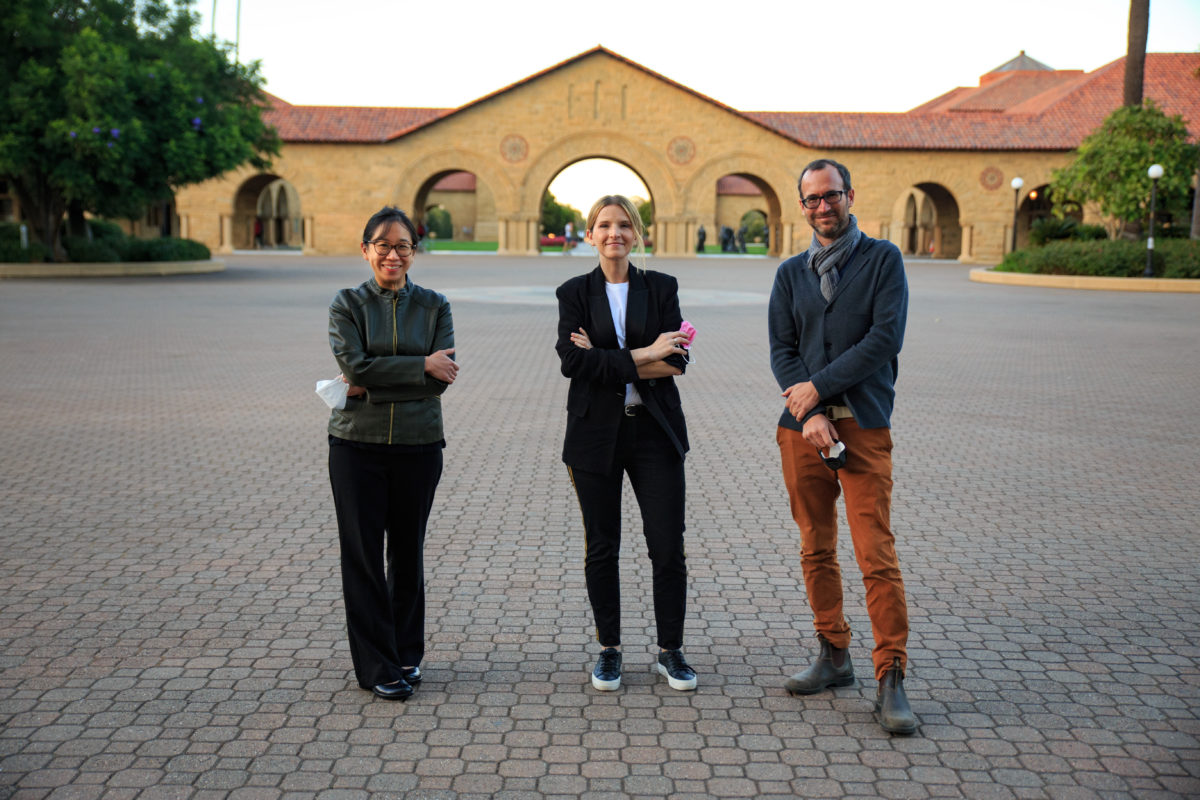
(266, 213)
(494, 192)
(467, 202)
(927, 217)
(701, 199)
(1037, 205)
(669, 231)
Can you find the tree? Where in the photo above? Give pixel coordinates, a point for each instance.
(555, 215)
(1135, 51)
(109, 106)
(1110, 165)
(646, 212)
(439, 222)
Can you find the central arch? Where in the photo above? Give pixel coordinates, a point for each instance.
(669, 234)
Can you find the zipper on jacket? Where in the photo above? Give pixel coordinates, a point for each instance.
(395, 344)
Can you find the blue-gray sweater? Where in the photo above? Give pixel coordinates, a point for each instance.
(848, 346)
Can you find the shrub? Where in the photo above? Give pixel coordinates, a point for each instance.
(188, 250)
(1049, 229)
(13, 253)
(105, 231)
(168, 248)
(79, 248)
(1173, 258)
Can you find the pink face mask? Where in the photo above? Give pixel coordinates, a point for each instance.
(688, 330)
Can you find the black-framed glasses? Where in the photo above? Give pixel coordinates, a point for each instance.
(403, 249)
(830, 198)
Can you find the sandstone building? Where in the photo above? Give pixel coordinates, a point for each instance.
(934, 180)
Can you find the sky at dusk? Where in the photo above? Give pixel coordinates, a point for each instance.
(772, 55)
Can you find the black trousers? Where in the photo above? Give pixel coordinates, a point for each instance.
(655, 471)
(383, 497)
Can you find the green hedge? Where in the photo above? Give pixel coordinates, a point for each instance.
(168, 248)
(80, 248)
(1173, 258)
(108, 244)
(1049, 229)
(11, 251)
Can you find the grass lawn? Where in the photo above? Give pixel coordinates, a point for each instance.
(450, 244)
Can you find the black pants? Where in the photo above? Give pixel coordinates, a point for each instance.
(383, 497)
(656, 474)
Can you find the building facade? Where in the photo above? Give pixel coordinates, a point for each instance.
(934, 180)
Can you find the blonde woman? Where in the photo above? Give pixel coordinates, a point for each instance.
(619, 341)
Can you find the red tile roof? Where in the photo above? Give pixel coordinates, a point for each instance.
(737, 185)
(1021, 109)
(347, 123)
(456, 182)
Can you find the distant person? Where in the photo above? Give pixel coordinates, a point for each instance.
(836, 323)
(741, 239)
(394, 343)
(568, 237)
(258, 232)
(620, 343)
(701, 235)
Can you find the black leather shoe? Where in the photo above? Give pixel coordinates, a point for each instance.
(823, 673)
(398, 690)
(411, 674)
(891, 707)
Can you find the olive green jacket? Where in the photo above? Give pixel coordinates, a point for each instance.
(380, 339)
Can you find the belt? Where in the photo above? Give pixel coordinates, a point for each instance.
(634, 409)
(835, 413)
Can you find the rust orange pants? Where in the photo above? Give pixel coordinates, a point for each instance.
(867, 481)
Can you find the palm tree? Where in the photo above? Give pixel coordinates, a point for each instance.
(1135, 57)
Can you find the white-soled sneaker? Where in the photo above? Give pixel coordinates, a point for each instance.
(606, 677)
(679, 675)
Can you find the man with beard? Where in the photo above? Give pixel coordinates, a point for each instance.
(836, 323)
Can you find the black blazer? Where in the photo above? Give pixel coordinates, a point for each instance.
(596, 398)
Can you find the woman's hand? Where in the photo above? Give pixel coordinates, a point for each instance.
(439, 365)
(667, 344)
(581, 340)
(353, 391)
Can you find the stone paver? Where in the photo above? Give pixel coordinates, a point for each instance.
(170, 610)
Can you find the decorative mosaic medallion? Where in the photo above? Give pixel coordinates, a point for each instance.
(681, 150)
(514, 148)
(991, 178)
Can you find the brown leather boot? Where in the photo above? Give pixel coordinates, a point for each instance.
(825, 672)
(891, 706)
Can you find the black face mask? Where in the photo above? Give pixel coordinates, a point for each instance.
(836, 458)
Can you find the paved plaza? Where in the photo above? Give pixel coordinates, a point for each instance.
(171, 621)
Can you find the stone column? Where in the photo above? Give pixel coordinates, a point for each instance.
(226, 245)
(786, 246)
(309, 234)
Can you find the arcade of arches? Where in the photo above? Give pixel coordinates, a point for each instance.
(949, 204)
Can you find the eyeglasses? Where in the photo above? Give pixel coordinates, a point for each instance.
(814, 200)
(403, 249)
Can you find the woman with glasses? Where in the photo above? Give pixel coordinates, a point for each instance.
(620, 343)
(394, 343)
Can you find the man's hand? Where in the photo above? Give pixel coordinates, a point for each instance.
(801, 399)
(819, 432)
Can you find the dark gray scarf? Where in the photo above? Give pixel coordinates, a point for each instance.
(825, 261)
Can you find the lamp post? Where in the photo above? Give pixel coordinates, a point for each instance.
(1017, 183)
(1155, 172)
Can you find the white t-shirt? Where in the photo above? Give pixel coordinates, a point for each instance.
(618, 300)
